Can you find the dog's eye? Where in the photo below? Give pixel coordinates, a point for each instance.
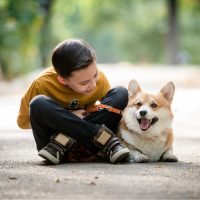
(154, 105)
(138, 104)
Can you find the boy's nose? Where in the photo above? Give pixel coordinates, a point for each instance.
(93, 85)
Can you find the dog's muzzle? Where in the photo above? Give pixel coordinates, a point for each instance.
(145, 123)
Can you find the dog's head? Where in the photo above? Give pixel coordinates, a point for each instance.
(148, 113)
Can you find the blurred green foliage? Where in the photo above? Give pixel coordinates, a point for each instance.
(128, 30)
(19, 26)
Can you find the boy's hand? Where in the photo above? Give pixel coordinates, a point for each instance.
(79, 113)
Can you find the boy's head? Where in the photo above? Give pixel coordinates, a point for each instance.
(71, 55)
(74, 62)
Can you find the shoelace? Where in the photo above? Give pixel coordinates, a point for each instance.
(114, 142)
(57, 146)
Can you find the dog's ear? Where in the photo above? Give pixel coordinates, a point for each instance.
(168, 91)
(133, 88)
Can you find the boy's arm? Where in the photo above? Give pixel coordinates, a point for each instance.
(23, 119)
(105, 84)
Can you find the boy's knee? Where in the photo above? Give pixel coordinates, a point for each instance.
(120, 97)
(121, 91)
(37, 103)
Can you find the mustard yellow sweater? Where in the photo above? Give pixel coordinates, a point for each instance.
(47, 84)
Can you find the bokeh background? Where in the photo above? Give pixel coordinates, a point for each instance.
(142, 32)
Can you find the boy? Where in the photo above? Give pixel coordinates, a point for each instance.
(55, 103)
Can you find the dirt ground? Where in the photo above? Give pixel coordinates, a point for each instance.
(23, 175)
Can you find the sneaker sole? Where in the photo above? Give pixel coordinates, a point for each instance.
(48, 156)
(120, 155)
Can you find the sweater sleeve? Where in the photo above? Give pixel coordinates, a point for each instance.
(106, 84)
(23, 119)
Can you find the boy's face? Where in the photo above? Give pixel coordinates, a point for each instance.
(83, 81)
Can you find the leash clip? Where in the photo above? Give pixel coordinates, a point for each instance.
(99, 108)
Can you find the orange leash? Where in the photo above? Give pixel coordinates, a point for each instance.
(101, 107)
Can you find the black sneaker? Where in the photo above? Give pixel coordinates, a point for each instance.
(57, 148)
(53, 152)
(116, 151)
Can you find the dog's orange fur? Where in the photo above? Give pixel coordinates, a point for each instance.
(149, 137)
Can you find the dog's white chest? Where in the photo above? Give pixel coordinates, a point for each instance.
(152, 147)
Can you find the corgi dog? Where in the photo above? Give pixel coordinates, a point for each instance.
(146, 124)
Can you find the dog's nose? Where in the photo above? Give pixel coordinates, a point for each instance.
(143, 113)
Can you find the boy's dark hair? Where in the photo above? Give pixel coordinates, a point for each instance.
(71, 55)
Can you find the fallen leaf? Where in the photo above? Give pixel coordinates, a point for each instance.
(12, 177)
(92, 183)
(57, 180)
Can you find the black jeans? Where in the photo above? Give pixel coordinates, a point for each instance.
(48, 117)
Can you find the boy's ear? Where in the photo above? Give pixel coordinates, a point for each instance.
(62, 80)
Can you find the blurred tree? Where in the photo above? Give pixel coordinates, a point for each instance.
(172, 43)
(19, 24)
(133, 31)
(46, 36)
(118, 30)
(189, 17)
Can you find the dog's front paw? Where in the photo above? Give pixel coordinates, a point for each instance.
(141, 158)
(137, 158)
(171, 158)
